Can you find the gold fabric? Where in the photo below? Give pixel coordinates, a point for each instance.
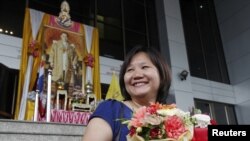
(29, 110)
(27, 38)
(96, 69)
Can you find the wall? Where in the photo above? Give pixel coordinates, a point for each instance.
(10, 51)
(213, 91)
(108, 67)
(234, 22)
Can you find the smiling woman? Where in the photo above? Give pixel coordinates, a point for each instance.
(144, 79)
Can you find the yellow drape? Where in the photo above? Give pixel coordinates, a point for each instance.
(29, 110)
(96, 68)
(27, 38)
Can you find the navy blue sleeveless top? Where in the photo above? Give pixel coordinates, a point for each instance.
(111, 111)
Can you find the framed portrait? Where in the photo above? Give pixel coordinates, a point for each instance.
(63, 52)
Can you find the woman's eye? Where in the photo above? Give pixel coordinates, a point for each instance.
(144, 67)
(128, 70)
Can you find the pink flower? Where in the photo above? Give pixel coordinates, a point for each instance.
(152, 109)
(174, 127)
(138, 118)
(140, 113)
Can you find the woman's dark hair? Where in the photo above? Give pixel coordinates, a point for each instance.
(160, 64)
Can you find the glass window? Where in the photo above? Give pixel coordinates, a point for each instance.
(204, 46)
(220, 113)
(197, 66)
(110, 11)
(152, 29)
(110, 31)
(135, 16)
(110, 42)
(204, 107)
(231, 115)
(223, 113)
(133, 38)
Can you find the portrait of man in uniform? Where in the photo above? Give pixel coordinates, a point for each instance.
(64, 54)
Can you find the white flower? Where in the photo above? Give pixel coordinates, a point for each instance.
(173, 111)
(202, 120)
(167, 112)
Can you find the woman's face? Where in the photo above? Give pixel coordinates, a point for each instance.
(142, 77)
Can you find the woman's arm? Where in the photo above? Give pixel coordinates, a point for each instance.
(98, 130)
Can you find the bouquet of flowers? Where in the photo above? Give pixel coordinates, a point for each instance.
(160, 122)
